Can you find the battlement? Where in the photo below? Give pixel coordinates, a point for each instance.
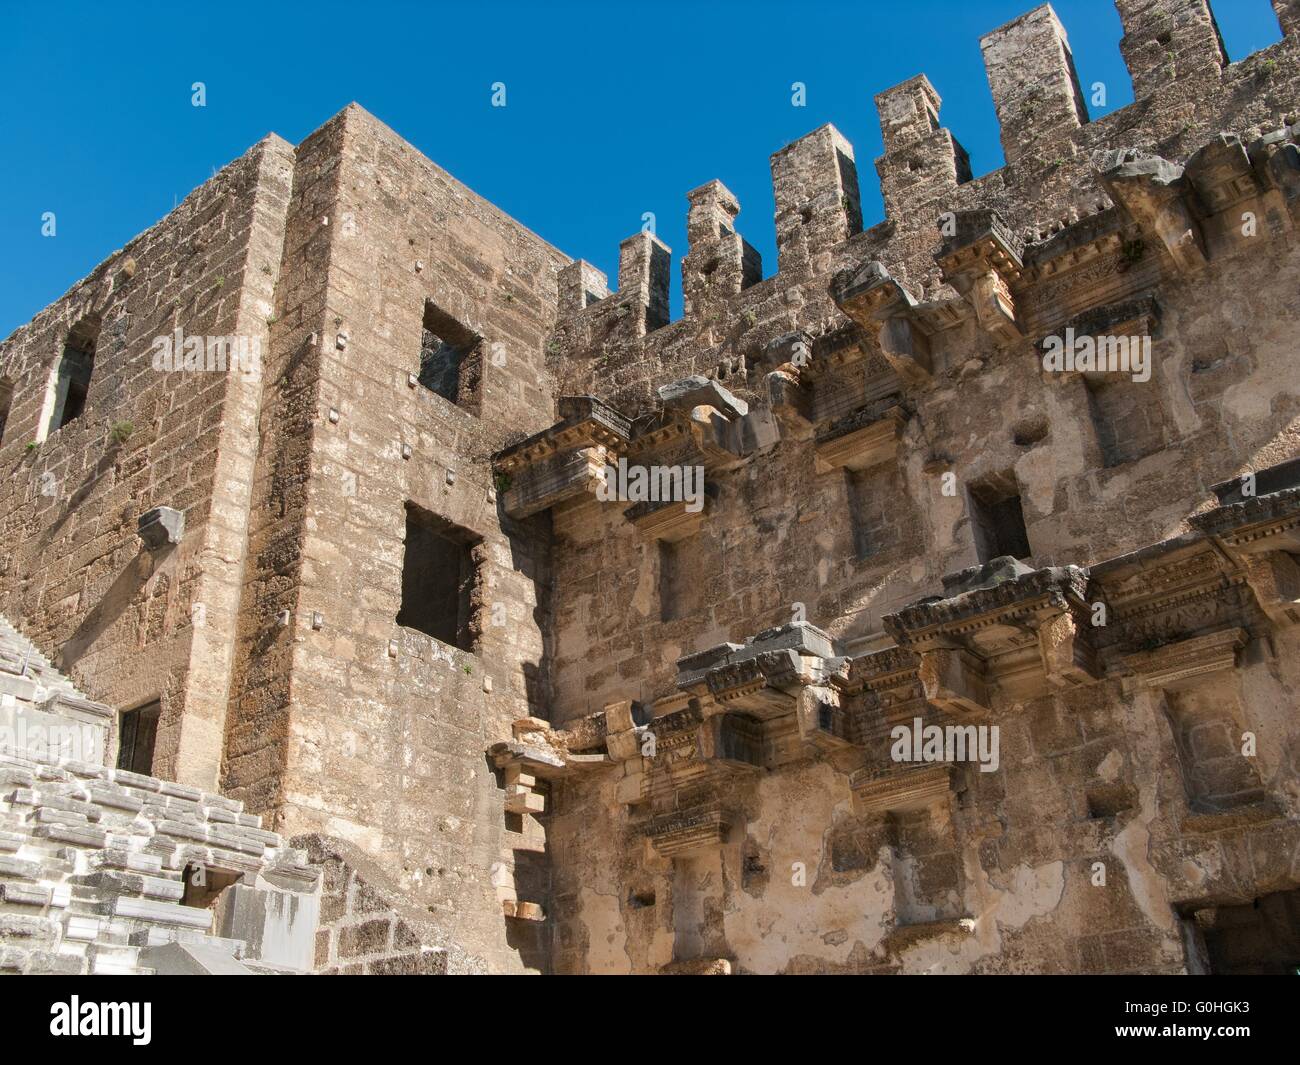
(1184, 90)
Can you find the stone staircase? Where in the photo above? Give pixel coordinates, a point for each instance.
(93, 860)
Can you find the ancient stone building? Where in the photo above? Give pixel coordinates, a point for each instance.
(311, 483)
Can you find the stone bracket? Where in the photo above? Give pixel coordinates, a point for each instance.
(982, 260)
(1155, 194)
(886, 310)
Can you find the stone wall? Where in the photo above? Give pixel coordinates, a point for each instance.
(344, 722)
(861, 416)
(133, 625)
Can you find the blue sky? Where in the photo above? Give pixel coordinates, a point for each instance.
(612, 110)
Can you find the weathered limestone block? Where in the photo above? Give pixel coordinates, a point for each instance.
(687, 832)
(1001, 626)
(669, 522)
(955, 681)
(1169, 40)
(643, 270)
(923, 162)
(815, 182)
(161, 527)
(579, 286)
(696, 391)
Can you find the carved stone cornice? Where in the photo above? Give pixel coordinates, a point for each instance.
(982, 261)
(1005, 626)
(1158, 197)
(1172, 663)
(907, 787)
(684, 832)
(563, 461)
(865, 438)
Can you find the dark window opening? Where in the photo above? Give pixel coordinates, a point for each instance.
(450, 358)
(1258, 938)
(77, 363)
(998, 520)
(139, 729)
(6, 401)
(438, 576)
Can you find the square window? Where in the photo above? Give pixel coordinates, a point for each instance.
(451, 362)
(998, 520)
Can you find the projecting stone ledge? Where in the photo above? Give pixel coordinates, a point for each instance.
(1155, 194)
(999, 622)
(865, 438)
(724, 428)
(982, 260)
(887, 311)
(563, 461)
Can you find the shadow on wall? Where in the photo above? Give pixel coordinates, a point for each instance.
(106, 612)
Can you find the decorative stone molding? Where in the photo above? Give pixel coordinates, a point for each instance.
(563, 461)
(982, 261)
(903, 788)
(670, 522)
(1166, 666)
(1003, 625)
(865, 438)
(686, 832)
(887, 311)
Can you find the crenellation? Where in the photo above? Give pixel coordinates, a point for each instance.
(1288, 15)
(644, 262)
(1035, 87)
(1170, 40)
(818, 206)
(720, 262)
(923, 162)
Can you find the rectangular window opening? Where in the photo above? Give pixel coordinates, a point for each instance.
(438, 577)
(998, 519)
(138, 729)
(450, 358)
